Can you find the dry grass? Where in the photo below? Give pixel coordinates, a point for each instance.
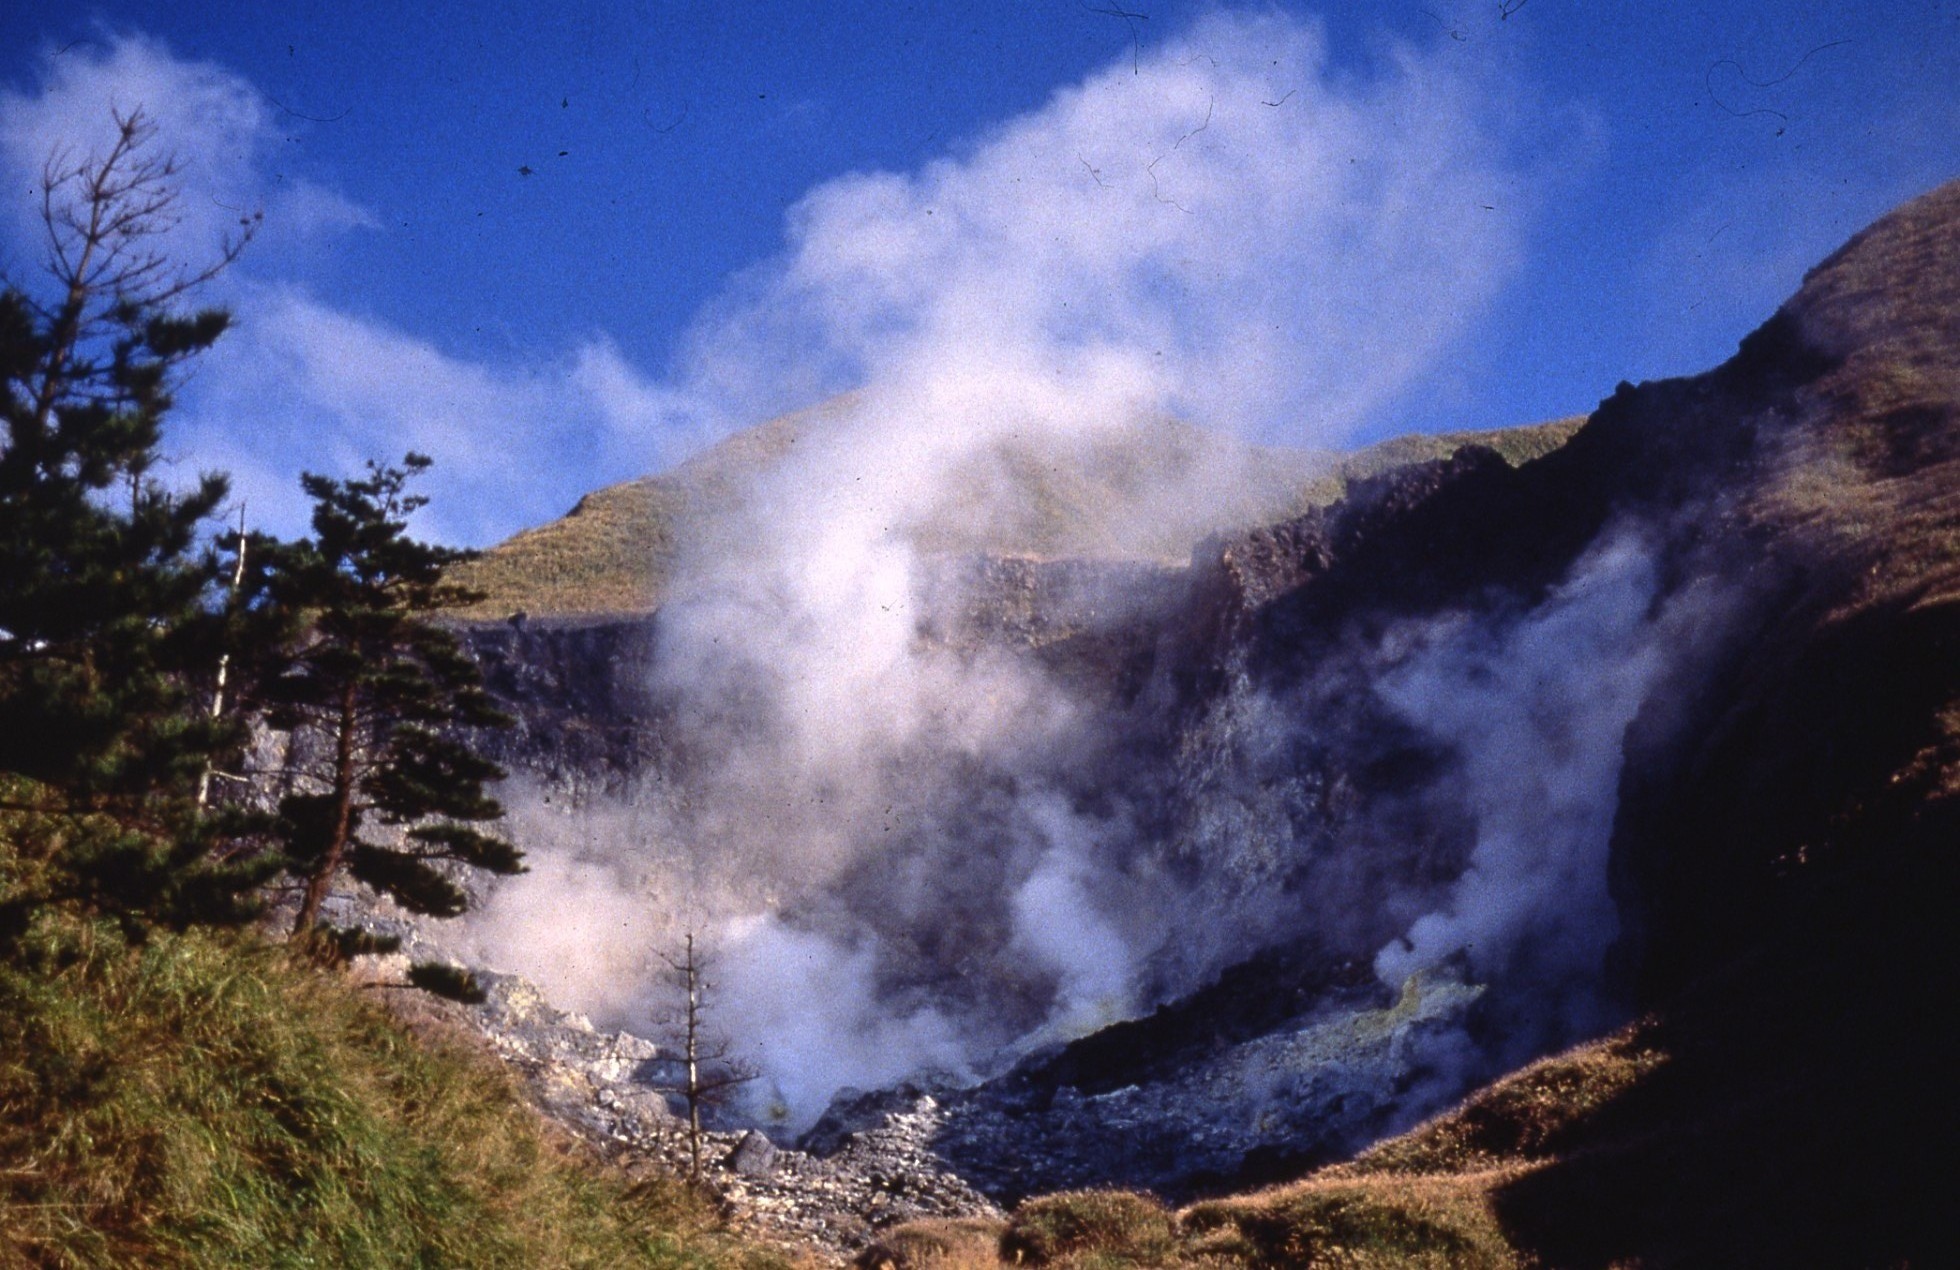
(199, 1101)
(1110, 496)
(1883, 478)
(1517, 446)
(969, 1243)
(1091, 1228)
(1525, 1118)
(1427, 1198)
(612, 552)
(1443, 1221)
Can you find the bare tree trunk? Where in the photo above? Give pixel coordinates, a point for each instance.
(692, 973)
(224, 667)
(343, 791)
(710, 1071)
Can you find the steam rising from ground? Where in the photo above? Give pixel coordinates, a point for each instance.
(1535, 714)
(903, 844)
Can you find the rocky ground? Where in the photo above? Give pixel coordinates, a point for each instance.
(1064, 1118)
(1322, 1086)
(1069, 1116)
(612, 1089)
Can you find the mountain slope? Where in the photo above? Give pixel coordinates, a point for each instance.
(1783, 857)
(1775, 856)
(614, 551)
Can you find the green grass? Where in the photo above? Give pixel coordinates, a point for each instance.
(199, 1100)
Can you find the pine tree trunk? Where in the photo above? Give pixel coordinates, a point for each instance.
(322, 877)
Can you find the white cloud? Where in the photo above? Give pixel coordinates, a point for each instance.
(300, 384)
(305, 211)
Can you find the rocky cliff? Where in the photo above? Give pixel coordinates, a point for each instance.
(1781, 857)
(1712, 645)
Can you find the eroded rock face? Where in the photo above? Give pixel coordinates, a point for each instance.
(1780, 846)
(1262, 1109)
(580, 691)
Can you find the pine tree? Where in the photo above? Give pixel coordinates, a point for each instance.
(106, 615)
(379, 698)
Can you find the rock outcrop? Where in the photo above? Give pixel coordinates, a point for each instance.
(1781, 856)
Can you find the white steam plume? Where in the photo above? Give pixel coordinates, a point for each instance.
(1226, 232)
(1536, 714)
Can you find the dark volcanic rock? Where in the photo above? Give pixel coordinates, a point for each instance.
(1782, 855)
(1244, 1112)
(1276, 986)
(580, 691)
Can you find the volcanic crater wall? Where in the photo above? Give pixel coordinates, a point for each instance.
(1372, 804)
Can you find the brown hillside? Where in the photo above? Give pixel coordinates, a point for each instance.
(614, 551)
(1786, 855)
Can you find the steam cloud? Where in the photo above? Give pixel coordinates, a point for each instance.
(1535, 713)
(898, 841)
(1225, 230)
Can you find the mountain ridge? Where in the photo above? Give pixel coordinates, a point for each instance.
(613, 552)
(1779, 862)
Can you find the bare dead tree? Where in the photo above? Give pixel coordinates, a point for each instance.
(107, 220)
(711, 1069)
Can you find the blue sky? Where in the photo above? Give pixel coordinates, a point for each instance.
(562, 245)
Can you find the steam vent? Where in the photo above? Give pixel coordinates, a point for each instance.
(1060, 756)
(1536, 844)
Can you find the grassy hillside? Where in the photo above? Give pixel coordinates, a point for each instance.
(199, 1101)
(1429, 1198)
(614, 551)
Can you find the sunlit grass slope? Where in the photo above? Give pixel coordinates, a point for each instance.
(1108, 496)
(1429, 1198)
(199, 1101)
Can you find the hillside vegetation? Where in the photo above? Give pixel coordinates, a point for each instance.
(199, 1100)
(614, 551)
(1430, 1197)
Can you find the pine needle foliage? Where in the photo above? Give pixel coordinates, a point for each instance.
(107, 619)
(386, 694)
